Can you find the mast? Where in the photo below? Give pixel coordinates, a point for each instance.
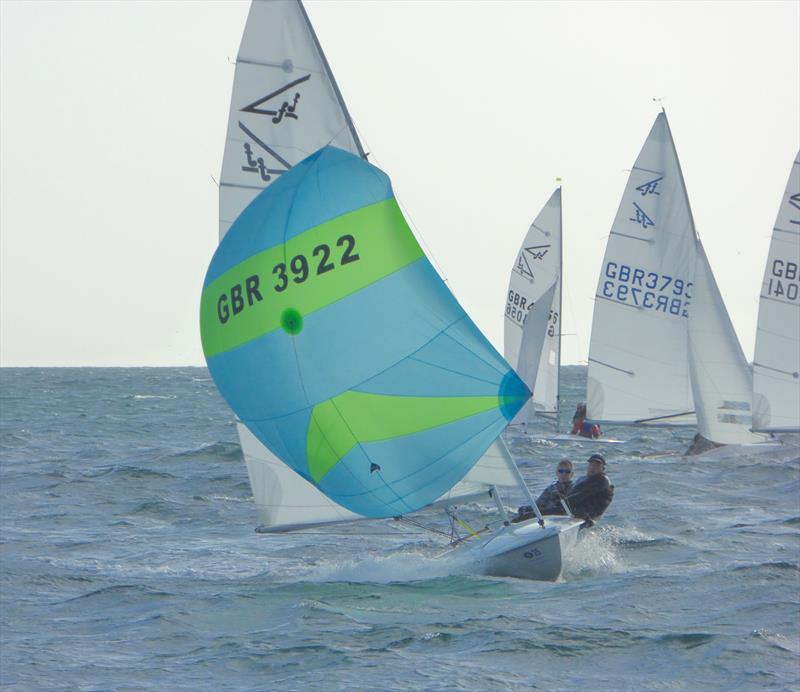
(680, 176)
(560, 300)
(334, 85)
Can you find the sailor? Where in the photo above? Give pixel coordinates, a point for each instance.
(590, 496)
(549, 501)
(580, 426)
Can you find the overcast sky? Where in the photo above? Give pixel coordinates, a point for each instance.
(113, 119)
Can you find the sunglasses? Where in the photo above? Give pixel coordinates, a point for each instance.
(564, 471)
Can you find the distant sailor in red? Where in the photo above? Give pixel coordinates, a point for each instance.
(580, 426)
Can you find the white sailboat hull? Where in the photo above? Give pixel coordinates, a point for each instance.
(524, 550)
(564, 437)
(514, 434)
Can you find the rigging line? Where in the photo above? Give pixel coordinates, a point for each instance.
(417, 524)
(469, 440)
(360, 445)
(414, 228)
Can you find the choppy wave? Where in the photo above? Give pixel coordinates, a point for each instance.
(129, 559)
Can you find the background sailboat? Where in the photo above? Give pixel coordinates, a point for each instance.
(776, 377)
(532, 321)
(662, 344)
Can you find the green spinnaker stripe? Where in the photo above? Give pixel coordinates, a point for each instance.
(339, 424)
(383, 242)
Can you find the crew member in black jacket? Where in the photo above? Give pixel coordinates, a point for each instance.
(590, 496)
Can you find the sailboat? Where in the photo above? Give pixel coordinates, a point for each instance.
(532, 319)
(663, 350)
(362, 390)
(532, 322)
(776, 366)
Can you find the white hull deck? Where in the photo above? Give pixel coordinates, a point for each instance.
(524, 550)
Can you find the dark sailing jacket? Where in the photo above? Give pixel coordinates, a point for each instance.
(549, 501)
(590, 496)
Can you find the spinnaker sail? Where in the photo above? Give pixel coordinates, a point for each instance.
(337, 344)
(535, 287)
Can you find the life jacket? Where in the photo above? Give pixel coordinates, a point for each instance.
(589, 429)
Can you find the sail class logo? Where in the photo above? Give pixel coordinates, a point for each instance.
(641, 217)
(288, 109)
(794, 200)
(528, 255)
(255, 148)
(650, 187)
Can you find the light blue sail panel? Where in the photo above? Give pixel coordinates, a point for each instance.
(335, 341)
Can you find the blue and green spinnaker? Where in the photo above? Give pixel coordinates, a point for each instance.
(335, 341)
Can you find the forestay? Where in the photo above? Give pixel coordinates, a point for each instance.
(720, 375)
(536, 281)
(338, 345)
(776, 381)
(638, 355)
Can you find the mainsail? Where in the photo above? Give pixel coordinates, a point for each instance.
(535, 287)
(776, 380)
(638, 353)
(286, 105)
(337, 344)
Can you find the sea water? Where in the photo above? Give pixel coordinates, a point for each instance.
(129, 561)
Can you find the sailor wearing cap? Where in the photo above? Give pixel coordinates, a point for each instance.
(591, 495)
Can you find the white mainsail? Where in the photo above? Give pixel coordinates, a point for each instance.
(285, 501)
(721, 377)
(638, 353)
(286, 105)
(776, 366)
(536, 281)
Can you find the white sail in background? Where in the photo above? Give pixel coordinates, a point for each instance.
(532, 350)
(721, 377)
(776, 366)
(536, 271)
(638, 353)
(285, 105)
